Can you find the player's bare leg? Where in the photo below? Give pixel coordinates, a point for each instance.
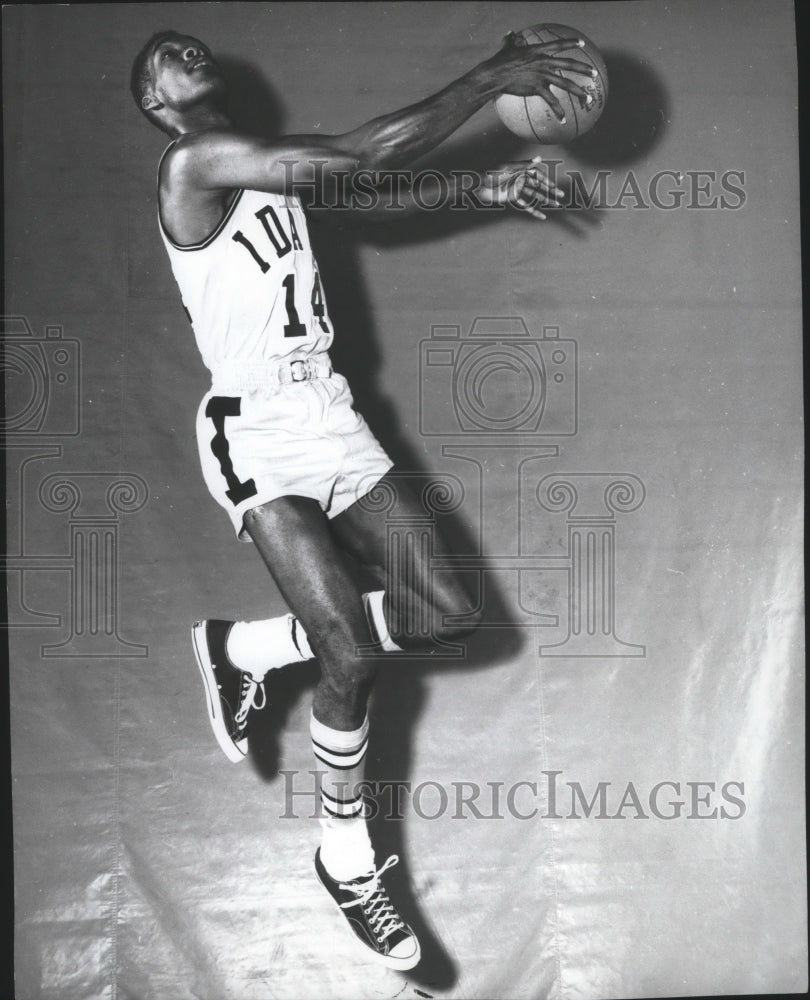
(293, 537)
(415, 589)
(235, 657)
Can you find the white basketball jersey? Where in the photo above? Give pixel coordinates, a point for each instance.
(252, 289)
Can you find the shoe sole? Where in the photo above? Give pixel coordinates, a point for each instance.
(233, 751)
(400, 964)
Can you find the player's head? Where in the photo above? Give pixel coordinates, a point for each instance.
(173, 74)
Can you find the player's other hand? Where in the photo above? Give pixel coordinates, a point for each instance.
(524, 185)
(525, 69)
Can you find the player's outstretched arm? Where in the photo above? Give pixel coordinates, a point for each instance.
(226, 159)
(397, 139)
(524, 186)
(223, 158)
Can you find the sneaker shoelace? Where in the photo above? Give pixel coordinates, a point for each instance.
(247, 699)
(373, 899)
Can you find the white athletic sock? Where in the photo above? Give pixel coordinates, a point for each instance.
(346, 850)
(256, 647)
(373, 602)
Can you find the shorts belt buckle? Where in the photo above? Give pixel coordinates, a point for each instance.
(299, 370)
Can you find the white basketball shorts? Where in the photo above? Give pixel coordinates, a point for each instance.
(304, 439)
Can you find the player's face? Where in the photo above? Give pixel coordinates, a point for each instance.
(184, 72)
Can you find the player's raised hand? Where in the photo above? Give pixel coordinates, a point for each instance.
(532, 69)
(524, 185)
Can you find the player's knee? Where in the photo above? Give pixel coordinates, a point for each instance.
(451, 615)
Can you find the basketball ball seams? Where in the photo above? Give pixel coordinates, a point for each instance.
(556, 36)
(532, 117)
(574, 110)
(529, 118)
(603, 84)
(538, 40)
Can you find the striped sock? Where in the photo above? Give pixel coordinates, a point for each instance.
(346, 850)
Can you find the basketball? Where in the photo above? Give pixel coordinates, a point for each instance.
(532, 118)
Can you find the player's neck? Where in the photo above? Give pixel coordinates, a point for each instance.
(199, 119)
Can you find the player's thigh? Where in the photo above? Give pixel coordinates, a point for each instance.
(363, 530)
(294, 540)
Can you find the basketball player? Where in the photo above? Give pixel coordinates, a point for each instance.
(282, 449)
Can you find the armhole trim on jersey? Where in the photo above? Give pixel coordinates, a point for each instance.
(219, 227)
(209, 239)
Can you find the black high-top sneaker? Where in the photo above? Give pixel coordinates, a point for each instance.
(371, 916)
(229, 692)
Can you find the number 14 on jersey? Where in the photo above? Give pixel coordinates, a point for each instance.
(293, 327)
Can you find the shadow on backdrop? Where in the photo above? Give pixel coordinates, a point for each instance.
(635, 116)
(253, 103)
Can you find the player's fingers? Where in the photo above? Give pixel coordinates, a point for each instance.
(512, 187)
(585, 96)
(526, 198)
(531, 210)
(540, 170)
(560, 45)
(548, 199)
(536, 196)
(513, 167)
(571, 66)
(511, 39)
(546, 192)
(550, 188)
(530, 182)
(551, 100)
(538, 167)
(540, 202)
(542, 180)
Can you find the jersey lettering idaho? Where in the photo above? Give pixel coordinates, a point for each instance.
(252, 289)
